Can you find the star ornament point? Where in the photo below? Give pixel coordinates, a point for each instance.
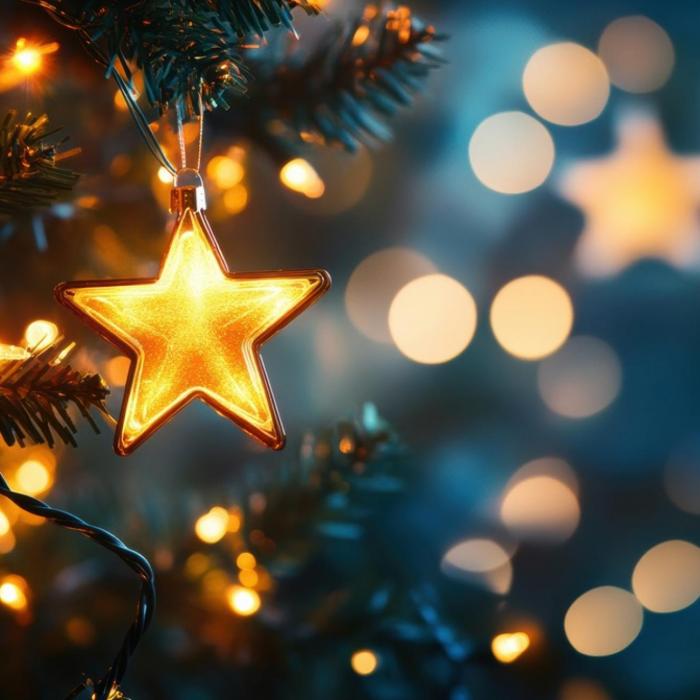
(641, 201)
(195, 332)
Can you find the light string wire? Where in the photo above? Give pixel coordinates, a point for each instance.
(104, 687)
(181, 134)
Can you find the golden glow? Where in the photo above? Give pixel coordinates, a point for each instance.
(248, 578)
(11, 353)
(236, 199)
(639, 202)
(432, 319)
(117, 370)
(364, 662)
(164, 175)
(245, 560)
(509, 646)
(511, 152)
(532, 317)
(603, 621)
(4, 524)
(13, 592)
(212, 526)
(566, 84)
(667, 577)
(28, 58)
(195, 332)
(243, 601)
(299, 176)
(638, 53)
(40, 334)
(582, 379)
(541, 508)
(361, 35)
(33, 477)
(225, 172)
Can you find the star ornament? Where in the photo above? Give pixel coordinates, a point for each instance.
(195, 332)
(639, 202)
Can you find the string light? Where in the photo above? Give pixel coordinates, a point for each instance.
(33, 477)
(212, 526)
(40, 334)
(164, 175)
(510, 646)
(28, 58)
(245, 560)
(243, 601)
(13, 592)
(364, 662)
(299, 175)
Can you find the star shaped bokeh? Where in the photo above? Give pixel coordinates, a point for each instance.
(641, 201)
(195, 332)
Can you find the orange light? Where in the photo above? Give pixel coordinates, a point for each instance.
(33, 477)
(248, 578)
(299, 176)
(11, 353)
(28, 58)
(195, 332)
(225, 172)
(245, 560)
(364, 662)
(13, 592)
(361, 35)
(243, 601)
(509, 646)
(212, 526)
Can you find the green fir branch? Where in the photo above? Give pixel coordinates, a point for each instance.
(29, 175)
(37, 392)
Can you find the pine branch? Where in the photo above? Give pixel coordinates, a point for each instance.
(37, 392)
(343, 91)
(29, 175)
(178, 45)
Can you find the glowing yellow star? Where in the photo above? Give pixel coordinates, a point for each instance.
(195, 332)
(641, 201)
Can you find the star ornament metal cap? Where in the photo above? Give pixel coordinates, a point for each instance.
(195, 331)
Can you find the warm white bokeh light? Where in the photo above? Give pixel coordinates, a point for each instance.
(243, 601)
(374, 284)
(566, 84)
(40, 334)
(300, 176)
(480, 561)
(582, 379)
(638, 53)
(603, 621)
(540, 508)
(511, 152)
(213, 525)
(667, 577)
(532, 317)
(432, 319)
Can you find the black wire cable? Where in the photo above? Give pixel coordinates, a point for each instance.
(135, 561)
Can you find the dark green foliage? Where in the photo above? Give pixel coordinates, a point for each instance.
(343, 90)
(29, 176)
(178, 45)
(36, 393)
